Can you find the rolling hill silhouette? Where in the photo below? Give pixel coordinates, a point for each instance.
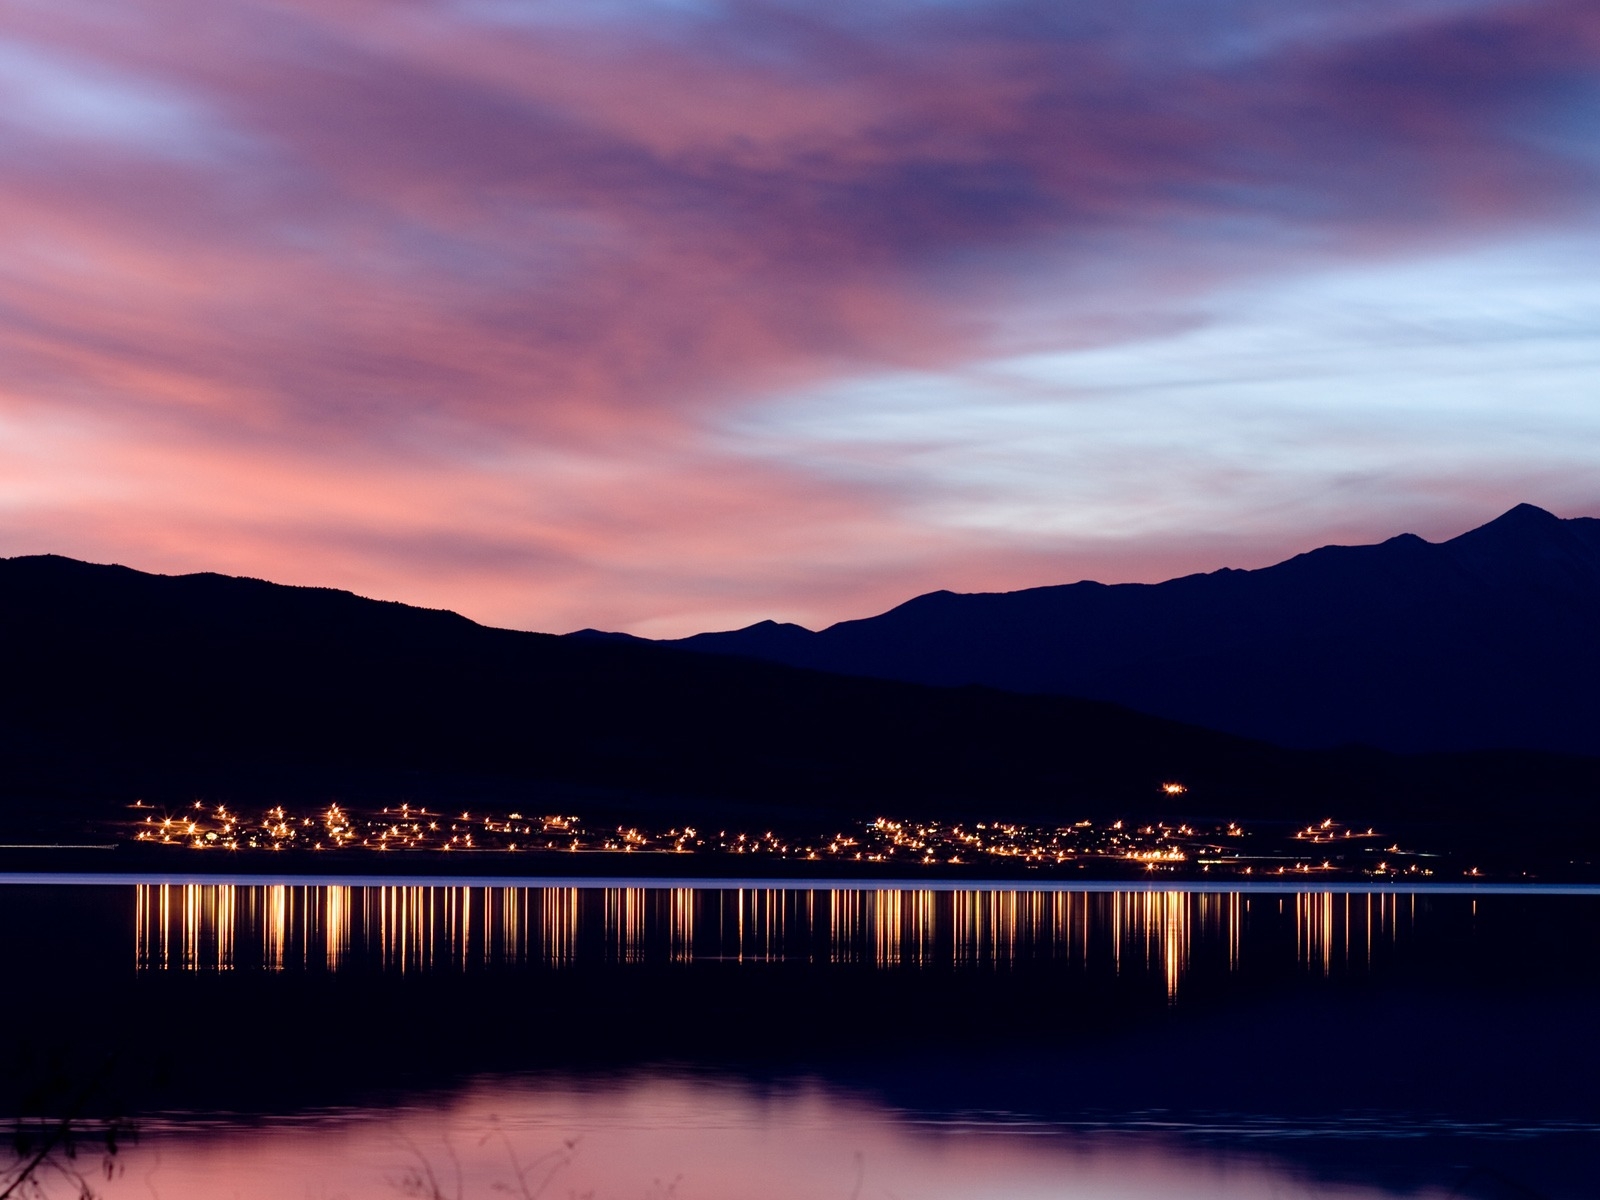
(121, 684)
(1488, 640)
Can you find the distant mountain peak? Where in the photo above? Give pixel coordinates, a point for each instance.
(1524, 518)
(1489, 639)
(1524, 511)
(1526, 525)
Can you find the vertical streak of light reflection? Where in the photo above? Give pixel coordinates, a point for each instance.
(415, 928)
(888, 935)
(682, 947)
(225, 898)
(1116, 930)
(191, 925)
(1236, 909)
(1176, 928)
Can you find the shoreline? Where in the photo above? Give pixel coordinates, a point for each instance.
(132, 862)
(793, 882)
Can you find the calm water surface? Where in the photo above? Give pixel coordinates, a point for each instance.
(335, 1040)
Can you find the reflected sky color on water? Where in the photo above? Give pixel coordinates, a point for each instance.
(432, 928)
(321, 1038)
(651, 1137)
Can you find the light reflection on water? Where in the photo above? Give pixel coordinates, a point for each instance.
(992, 1041)
(429, 928)
(653, 1137)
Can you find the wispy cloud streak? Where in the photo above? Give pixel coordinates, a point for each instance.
(531, 260)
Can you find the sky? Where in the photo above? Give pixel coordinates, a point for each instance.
(674, 315)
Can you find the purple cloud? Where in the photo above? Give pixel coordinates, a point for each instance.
(437, 248)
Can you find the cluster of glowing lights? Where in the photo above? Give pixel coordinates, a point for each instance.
(1155, 846)
(1331, 831)
(935, 841)
(336, 827)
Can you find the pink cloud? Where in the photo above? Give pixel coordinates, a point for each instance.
(449, 310)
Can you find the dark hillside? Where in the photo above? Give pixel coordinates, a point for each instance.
(120, 684)
(1490, 640)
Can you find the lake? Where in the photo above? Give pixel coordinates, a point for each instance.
(333, 1039)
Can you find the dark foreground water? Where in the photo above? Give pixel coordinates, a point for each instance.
(643, 1042)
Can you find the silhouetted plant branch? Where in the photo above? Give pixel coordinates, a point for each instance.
(530, 1178)
(46, 1148)
(551, 1163)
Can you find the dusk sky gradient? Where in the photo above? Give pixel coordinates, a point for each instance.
(674, 316)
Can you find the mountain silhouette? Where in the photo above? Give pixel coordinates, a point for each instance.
(1488, 640)
(120, 684)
